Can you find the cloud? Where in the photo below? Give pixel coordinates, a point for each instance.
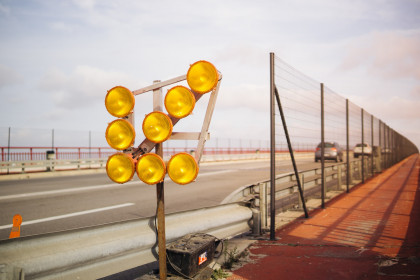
(8, 76)
(390, 54)
(4, 9)
(84, 86)
(249, 96)
(61, 26)
(85, 4)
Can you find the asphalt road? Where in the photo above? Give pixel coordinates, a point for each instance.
(67, 202)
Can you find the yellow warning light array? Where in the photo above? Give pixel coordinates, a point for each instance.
(120, 168)
(119, 101)
(182, 168)
(202, 76)
(120, 134)
(151, 169)
(179, 102)
(157, 127)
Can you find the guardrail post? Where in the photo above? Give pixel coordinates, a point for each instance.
(339, 177)
(256, 222)
(300, 202)
(365, 168)
(263, 204)
(359, 168)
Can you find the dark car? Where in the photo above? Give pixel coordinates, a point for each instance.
(331, 151)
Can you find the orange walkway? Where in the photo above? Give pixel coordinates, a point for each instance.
(371, 233)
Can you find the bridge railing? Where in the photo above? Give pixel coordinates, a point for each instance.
(104, 250)
(50, 165)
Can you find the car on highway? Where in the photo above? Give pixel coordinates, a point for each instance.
(332, 150)
(357, 151)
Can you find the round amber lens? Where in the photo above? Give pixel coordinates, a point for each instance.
(179, 102)
(119, 101)
(120, 134)
(157, 127)
(182, 168)
(120, 168)
(202, 76)
(151, 169)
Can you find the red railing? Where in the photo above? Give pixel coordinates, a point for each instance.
(40, 153)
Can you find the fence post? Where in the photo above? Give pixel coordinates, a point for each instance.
(272, 152)
(379, 167)
(350, 175)
(322, 150)
(372, 154)
(363, 150)
(347, 147)
(8, 150)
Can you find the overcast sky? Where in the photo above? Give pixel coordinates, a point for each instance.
(58, 58)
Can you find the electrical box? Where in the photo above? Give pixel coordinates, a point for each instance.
(190, 254)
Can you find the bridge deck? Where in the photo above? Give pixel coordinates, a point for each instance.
(371, 233)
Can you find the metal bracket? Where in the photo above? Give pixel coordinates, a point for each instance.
(147, 145)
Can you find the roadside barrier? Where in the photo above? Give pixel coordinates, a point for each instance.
(95, 252)
(99, 251)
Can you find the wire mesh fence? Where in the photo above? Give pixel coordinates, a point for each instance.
(300, 102)
(316, 114)
(331, 128)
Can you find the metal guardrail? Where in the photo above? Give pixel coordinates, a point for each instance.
(7, 167)
(100, 251)
(287, 196)
(108, 249)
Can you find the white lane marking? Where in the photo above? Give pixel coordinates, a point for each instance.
(71, 215)
(23, 195)
(88, 188)
(215, 173)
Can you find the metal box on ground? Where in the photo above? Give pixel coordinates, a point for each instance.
(190, 254)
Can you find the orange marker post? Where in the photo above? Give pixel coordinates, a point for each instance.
(17, 221)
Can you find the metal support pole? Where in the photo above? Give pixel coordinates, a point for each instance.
(322, 150)
(380, 146)
(300, 201)
(289, 144)
(388, 155)
(90, 147)
(160, 196)
(8, 149)
(272, 153)
(372, 144)
(347, 147)
(363, 148)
